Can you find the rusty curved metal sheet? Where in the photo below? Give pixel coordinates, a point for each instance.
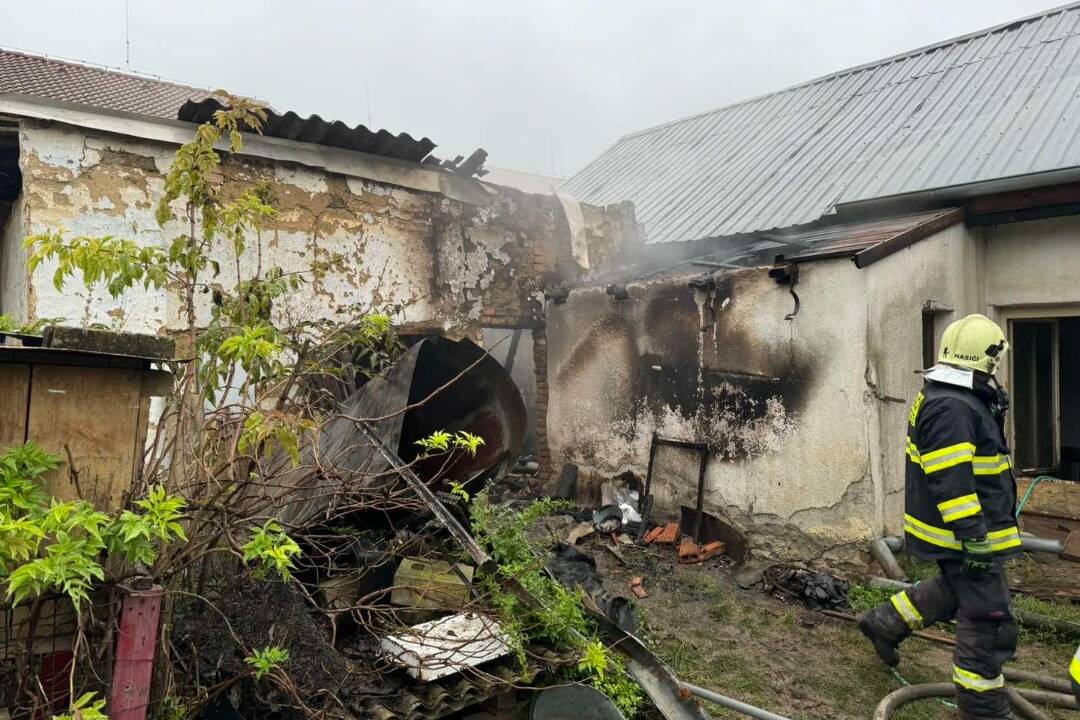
(438, 384)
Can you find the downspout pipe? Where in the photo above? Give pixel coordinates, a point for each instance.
(881, 551)
(1032, 543)
(732, 703)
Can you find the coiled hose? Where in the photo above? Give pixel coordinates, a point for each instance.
(1021, 698)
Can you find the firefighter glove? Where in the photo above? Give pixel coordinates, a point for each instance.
(978, 557)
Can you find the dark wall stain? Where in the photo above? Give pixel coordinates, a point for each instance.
(738, 385)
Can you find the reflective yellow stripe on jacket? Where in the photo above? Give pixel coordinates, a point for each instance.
(1074, 667)
(929, 533)
(961, 507)
(989, 464)
(953, 455)
(999, 539)
(1004, 539)
(947, 457)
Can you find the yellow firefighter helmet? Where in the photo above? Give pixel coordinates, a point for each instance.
(974, 342)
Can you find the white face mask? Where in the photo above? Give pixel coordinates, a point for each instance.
(961, 377)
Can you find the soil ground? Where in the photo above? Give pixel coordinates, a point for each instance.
(783, 657)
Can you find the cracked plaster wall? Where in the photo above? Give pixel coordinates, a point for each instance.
(447, 265)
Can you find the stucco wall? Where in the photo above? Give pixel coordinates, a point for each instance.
(943, 272)
(442, 263)
(804, 416)
(781, 409)
(1033, 263)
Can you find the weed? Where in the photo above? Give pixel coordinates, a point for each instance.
(722, 609)
(917, 569)
(1047, 608)
(559, 616)
(863, 597)
(700, 587)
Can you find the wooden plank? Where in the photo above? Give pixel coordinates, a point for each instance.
(134, 668)
(1059, 498)
(15, 391)
(1024, 199)
(937, 223)
(95, 413)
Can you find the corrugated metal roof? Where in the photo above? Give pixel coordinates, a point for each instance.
(998, 103)
(536, 183)
(314, 129)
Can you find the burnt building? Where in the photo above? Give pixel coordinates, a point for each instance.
(804, 251)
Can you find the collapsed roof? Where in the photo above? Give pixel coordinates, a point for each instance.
(110, 89)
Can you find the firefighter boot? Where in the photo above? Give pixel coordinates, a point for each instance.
(884, 628)
(961, 715)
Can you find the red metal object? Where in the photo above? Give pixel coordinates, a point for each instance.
(135, 647)
(53, 675)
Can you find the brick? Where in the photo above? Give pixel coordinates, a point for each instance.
(666, 535)
(691, 552)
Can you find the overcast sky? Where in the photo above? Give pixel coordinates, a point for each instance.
(537, 84)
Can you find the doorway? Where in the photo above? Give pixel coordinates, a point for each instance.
(1045, 387)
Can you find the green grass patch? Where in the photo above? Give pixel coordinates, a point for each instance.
(863, 597)
(1067, 612)
(917, 569)
(700, 587)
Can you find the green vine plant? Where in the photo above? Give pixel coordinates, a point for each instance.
(241, 411)
(9, 324)
(237, 436)
(49, 546)
(87, 707)
(558, 617)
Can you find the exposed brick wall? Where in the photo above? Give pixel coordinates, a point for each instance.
(543, 451)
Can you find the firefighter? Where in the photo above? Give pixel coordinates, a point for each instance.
(960, 500)
(1074, 674)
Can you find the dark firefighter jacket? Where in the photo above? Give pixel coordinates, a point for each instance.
(959, 481)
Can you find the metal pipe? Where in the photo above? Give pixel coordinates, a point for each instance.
(888, 584)
(1045, 681)
(1032, 543)
(1029, 542)
(732, 704)
(1046, 697)
(880, 551)
(700, 507)
(1024, 708)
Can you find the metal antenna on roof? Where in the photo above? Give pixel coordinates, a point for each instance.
(367, 93)
(127, 34)
(551, 149)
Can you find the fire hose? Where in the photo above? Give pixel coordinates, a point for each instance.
(1021, 698)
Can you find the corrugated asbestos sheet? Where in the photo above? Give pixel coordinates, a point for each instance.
(995, 104)
(314, 129)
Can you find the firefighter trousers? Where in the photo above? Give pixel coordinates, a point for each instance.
(985, 630)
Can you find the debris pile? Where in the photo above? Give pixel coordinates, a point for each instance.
(817, 590)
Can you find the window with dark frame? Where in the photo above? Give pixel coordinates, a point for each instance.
(929, 357)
